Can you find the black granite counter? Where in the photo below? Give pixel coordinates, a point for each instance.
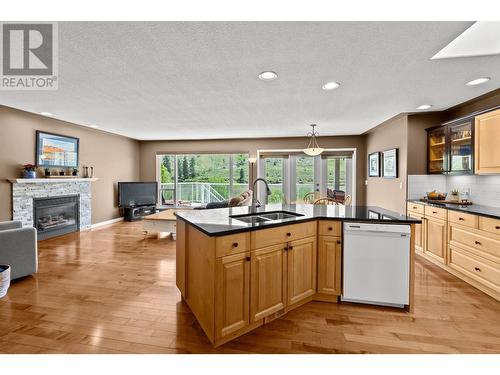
(475, 209)
(218, 222)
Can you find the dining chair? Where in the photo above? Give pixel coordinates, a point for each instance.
(348, 200)
(326, 201)
(311, 197)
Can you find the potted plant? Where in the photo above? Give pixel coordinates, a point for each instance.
(29, 171)
(47, 172)
(75, 172)
(455, 195)
(4, 279)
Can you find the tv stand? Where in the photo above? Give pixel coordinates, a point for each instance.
(136, 213)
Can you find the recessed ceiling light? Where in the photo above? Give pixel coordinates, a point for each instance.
(424, 106)
(268, 76)
(478, 81)
(331, 86)
(48, 114)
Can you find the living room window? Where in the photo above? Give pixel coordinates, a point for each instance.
(197, 179)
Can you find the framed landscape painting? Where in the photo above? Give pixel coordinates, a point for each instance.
(390, 163)
(374, 164)
(55, 150)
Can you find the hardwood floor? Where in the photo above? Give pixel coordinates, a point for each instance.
(111, 290)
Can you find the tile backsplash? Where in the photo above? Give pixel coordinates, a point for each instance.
(484, 190)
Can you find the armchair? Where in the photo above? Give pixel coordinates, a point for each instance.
(18, 248)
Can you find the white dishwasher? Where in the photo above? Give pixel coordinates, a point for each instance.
(376, 264)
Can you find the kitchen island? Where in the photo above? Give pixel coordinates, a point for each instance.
(239, 268)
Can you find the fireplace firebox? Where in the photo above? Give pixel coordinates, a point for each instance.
(56, 216)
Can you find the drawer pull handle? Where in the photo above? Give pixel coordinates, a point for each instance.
(290, 248)
(330, 228)
(286, 248)
(288, 234)
(235, 244)
(434, 212)
(497, 227)
(477, 242)
(338, 242)
(248, 259)
(477, 269)
(461, 218)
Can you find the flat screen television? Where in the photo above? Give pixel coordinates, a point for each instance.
(133, 194)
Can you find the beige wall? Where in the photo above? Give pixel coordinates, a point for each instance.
(389, 193)
(149, 150)
(114, 157)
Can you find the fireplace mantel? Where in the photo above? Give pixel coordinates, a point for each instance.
(49, 180)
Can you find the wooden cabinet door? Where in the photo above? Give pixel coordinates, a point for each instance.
(329, 265)
(267, 281)
(436, 239)
(301, 270)
(487, 139)
(232, 294)
(419, 232)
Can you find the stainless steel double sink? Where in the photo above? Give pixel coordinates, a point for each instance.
(264, 217)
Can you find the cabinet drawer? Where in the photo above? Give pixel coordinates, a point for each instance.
(467, 220)
(489, 225)
(475, 267)
(435, 212)
(474, 240)
(272, 236)
(232, 244)
(330, 228)
(415, 207)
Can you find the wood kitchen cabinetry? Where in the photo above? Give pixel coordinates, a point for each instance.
(301, 269)
(232, 294)
(450, 148)
(435, 231)
(487, 139)
(237, 282)
(329, 260)
(464, 244)
(329, 265)
(268, 280)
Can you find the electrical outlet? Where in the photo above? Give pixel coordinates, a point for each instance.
(366, 182)
(401, 185)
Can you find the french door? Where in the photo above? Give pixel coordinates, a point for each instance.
(292, 175)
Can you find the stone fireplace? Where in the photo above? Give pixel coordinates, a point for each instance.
(53, 206)
(55, 216)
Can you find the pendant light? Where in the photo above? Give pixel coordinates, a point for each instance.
(312, 148)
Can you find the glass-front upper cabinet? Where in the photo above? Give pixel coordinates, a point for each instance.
(450, 148)
(460, 156)
(436, 141)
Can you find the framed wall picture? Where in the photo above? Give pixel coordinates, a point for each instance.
(55, 150)
(374, 164)
(390, 163)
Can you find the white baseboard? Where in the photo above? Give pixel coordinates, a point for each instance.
(107, 222)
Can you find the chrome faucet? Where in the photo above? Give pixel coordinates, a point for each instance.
(254, 193)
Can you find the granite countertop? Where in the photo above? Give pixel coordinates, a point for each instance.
(218, 222)
(476, 209)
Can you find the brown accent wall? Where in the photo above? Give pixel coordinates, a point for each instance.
(114, 157)
(389, 193)
(481, 103)
(149, 150)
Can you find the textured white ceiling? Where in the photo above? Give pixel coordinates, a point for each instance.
(181, 80)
